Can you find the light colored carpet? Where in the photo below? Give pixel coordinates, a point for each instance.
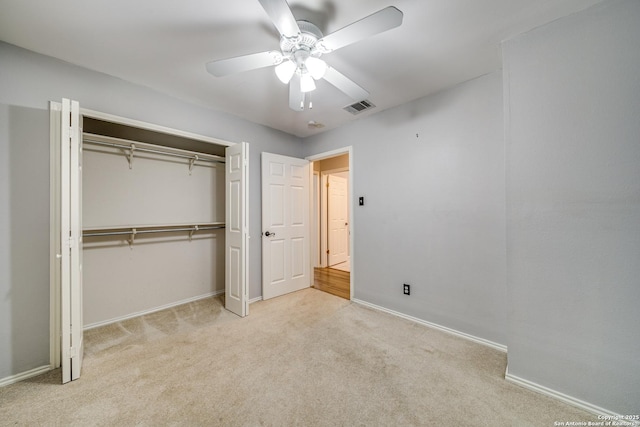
(304, 359)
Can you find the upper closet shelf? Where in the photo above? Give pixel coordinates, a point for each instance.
(129, 148)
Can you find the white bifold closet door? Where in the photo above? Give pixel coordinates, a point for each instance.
(236, 272)
(71, 241)
(69, 222)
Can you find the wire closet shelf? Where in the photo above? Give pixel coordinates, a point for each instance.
(129, 148)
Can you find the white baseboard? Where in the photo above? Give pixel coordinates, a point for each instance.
(596, 410)
(151, 310)
(24, 375)
(496, 346)
(256, 299)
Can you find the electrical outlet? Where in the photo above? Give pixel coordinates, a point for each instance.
(407, 289)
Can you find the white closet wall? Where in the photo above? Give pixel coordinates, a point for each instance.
(156, 190)
(160, 269)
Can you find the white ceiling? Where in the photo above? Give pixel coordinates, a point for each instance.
(165, 45)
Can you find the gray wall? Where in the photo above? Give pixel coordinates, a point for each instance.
(573, 189)
(24, 239)
(27, 82)
(432, 174)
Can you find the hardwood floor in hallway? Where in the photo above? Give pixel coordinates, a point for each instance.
(335, 282)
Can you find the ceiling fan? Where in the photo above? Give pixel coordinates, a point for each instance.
(302, 44)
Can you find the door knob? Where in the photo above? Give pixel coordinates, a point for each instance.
(267, 233)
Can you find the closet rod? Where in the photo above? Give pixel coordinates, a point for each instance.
(160, 230)
(209, 157)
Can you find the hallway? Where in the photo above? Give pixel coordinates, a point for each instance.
(333, 281)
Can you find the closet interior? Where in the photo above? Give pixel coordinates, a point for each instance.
(153, 214)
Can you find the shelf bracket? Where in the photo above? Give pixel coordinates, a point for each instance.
(191, 163)
(132, 237)
(193, 230)
(130, 155)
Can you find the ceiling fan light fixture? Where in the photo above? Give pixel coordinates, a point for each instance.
(285, 71)
(301, 46)
(316, 67)
(306, 83)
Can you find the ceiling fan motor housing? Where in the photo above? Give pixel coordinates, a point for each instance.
(305, 41)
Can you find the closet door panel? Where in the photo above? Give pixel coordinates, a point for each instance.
(236, 233)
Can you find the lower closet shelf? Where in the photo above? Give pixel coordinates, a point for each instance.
(132, 231)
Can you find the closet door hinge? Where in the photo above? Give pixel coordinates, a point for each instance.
(71, 242)
(71, 353)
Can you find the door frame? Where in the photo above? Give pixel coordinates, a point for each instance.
(55, 112)
(352, 226)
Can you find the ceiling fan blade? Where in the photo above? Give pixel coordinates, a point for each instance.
(296, 96)
(345, 84)
(239, 64)
(383, 20)
(282, 17)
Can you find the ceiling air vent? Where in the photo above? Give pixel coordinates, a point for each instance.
(359, 107)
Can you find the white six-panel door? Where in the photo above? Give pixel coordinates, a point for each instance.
(285, 225)
(236, 234)
(338, 218)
